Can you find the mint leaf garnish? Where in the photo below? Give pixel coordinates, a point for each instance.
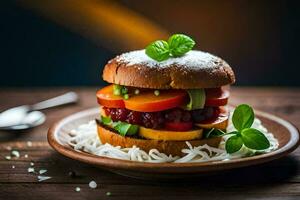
(254, 139)
(158, 50)
(233, 144)
(180, 44)
(243, 117)
(177, 45)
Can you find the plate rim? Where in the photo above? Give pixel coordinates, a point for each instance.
(114, 163)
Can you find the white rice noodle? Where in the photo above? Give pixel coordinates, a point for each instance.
(85, 138)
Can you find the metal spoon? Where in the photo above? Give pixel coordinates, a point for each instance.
(28, 116)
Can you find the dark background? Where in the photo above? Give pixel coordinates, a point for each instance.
(259, 39)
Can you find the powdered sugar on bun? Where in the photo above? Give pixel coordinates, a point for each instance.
(192, 59)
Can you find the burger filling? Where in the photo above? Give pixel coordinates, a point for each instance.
(163, 114)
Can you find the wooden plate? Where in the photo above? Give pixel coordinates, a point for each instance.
(285, 132)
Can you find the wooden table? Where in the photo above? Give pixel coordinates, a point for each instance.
(276, 180)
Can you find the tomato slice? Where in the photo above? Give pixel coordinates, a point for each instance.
(179, 126)
(146, 101)
(106, 97)
(149, 102)
(216, 97)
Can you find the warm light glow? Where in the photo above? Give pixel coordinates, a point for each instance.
(104, 22)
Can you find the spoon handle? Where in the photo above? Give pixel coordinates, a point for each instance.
(70, 97)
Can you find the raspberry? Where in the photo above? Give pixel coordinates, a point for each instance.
(121, 114)
(153, 120)
(116, 114)
(173, 115)
(186, 116)
(134, 117)
(197, 115)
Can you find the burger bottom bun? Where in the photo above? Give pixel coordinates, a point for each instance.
(168, 147)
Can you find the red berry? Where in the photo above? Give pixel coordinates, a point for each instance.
(121, 114)
(134, 117)
(153, 120)
(186, 116)
(173, 115)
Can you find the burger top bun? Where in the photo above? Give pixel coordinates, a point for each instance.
(195, 69)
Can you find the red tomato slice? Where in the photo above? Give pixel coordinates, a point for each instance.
(106, 97)
(179, 126)
(148, 102)
(216, 97)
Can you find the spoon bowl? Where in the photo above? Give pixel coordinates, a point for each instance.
(32, 119)
(29, 116)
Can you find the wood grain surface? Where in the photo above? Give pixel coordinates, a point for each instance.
(279, 179)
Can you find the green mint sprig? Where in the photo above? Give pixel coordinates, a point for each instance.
(176, 46)
(122, 127)
(242, 119)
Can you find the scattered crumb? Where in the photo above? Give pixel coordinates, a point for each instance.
(26, 155)
(30, 169)
(43, 178)
(31, 164)
(8, 148)
(7, 157)
(15, 153)
(108, 193)
(13, 166)
(93, 184)
(77, 189)
(42, 171)
(29, 143)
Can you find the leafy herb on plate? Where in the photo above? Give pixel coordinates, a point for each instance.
(242, 119)
(122, 127)
(176, 46)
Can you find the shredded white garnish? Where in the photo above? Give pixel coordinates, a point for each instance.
(85, 138)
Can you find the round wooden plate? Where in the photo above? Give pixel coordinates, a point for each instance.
(285, 132)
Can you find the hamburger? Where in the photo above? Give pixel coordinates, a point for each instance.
(162, 104)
